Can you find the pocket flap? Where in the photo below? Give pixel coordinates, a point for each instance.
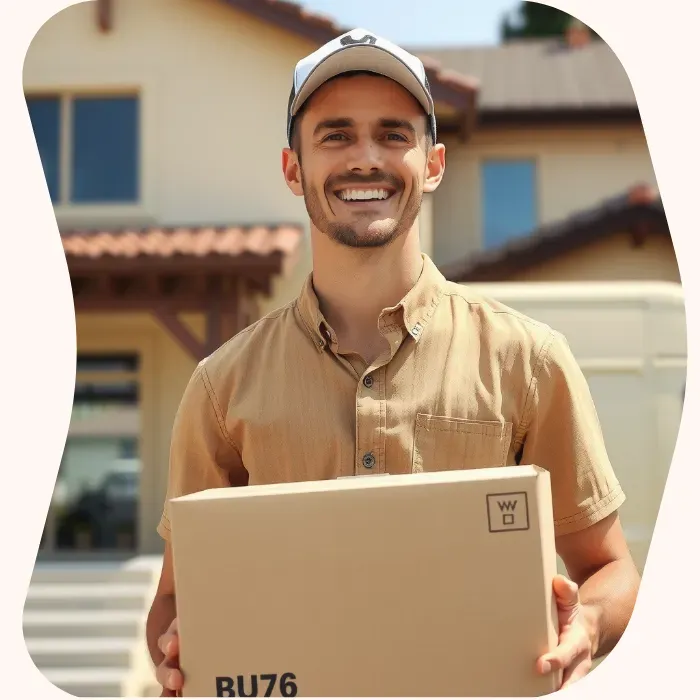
(443, 443)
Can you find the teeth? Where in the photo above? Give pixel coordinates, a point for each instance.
(352, 195)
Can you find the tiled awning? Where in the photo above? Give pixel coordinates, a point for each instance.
(183, 267)
(194, 242)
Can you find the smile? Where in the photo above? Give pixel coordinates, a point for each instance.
(358, 195)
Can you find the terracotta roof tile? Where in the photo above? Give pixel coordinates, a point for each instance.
(194, 242)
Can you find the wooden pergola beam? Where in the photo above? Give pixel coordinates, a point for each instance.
(246, 264)
(224, 300)
(172, 323)
(223, 321)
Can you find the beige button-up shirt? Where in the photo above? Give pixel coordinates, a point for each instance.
(464, 383)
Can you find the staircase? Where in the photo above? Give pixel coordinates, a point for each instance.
(84, 624)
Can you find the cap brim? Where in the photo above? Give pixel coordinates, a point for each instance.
(367, 58)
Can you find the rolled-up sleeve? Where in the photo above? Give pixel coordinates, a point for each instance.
(561, 433)
(202, 455)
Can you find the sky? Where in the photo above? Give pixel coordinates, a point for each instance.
(421, 23)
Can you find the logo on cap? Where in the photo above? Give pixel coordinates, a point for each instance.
(366, 39)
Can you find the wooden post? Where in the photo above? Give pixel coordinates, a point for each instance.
(104, 15)
(214, 328)
(234, 316)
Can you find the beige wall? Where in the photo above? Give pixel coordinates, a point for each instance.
(612, 259)
(426, 223)
(576, 168)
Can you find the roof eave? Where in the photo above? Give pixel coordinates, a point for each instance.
(489, 117)
(631, 213)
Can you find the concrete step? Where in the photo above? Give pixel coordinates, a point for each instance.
(65, 596)
(136, 570)
(81, 653)
(58, 624)
(87, 683)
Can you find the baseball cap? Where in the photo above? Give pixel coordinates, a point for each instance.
(355, 50)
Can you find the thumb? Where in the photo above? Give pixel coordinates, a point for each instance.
(566, 592)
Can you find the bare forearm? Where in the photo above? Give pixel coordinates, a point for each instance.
(162, 613)
(608, 598)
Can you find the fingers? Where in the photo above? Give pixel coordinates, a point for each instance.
(169, 644)
(566, 592)
(168, 673)
(573, 654)
(169, 677)
(570, 648)
(578, 669)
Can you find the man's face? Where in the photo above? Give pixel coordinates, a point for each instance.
(365, 160)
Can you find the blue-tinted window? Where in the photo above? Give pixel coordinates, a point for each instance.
(45, 115)
(509, 200)
(104, 163)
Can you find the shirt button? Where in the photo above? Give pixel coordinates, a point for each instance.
(368, 381)
(368, 461)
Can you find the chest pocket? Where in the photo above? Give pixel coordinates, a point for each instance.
(442, 443)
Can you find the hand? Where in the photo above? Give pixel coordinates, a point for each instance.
(168, 672)
(573, 654)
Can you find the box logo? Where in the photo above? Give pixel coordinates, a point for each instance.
(507, 511)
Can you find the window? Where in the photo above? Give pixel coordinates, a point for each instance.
(95, 504)
(89, 147)
(509, 200)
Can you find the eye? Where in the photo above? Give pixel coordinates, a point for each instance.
(394, 136)
(334, 137)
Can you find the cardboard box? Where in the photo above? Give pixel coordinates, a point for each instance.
(433, 584)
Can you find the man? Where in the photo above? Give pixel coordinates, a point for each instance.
(380, 365)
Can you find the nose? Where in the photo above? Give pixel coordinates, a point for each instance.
(364, 156)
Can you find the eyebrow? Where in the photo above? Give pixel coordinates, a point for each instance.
(397, 124)
(344, 123)
(339, 123)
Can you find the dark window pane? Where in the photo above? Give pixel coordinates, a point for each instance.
(105, 150)
(123, 393)
(509, 200)
(129, 449)
(45, 115)
(107, 363)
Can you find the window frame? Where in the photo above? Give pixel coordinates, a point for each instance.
(536, 181)
(66, 100)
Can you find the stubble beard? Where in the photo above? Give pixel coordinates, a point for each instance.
(375, 235)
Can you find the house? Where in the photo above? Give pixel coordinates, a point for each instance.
(160, 125)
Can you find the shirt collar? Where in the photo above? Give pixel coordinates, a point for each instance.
(412, 313)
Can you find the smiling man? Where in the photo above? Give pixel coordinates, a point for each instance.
(381, 366)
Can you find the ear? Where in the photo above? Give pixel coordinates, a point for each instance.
(434, 168)
(292, 171)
